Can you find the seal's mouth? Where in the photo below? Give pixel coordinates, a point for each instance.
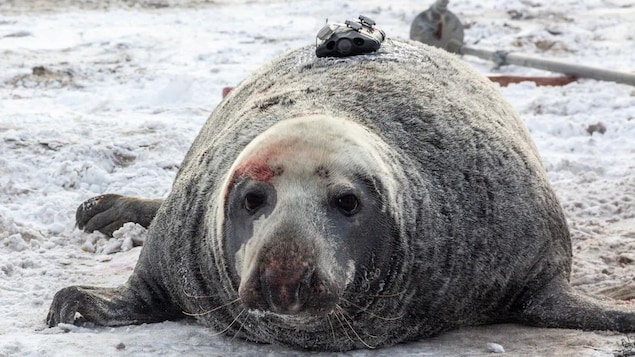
(296, 319)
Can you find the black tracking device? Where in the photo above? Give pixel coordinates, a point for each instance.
(349, 39)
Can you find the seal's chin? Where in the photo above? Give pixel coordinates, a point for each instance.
(303, 318)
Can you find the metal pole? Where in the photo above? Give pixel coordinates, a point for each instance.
(503, 57)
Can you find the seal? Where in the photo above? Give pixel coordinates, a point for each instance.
(342, 203)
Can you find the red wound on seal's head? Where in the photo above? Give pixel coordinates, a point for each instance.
(255, 171)
(257, 167)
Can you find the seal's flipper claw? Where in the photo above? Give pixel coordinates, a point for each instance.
(107, 307)
(557, 305)
(93, 206)
(107, 213)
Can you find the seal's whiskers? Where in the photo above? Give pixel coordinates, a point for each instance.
(352, 320)
(230, 325)
(380, 295)
(198, 296)
(242, 324)
(372, 313)
(328, 318)
(335, 313)
(341, 311)
(389, 295)
(212, 310)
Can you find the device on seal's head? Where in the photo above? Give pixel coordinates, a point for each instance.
(349, 39)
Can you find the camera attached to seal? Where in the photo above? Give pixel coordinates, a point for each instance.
(349, 39)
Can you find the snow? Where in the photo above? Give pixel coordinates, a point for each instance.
(102, 97)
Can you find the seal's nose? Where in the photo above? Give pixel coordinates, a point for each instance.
(286, 284)
(287, 277)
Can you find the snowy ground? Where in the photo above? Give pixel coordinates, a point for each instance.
(104, 97)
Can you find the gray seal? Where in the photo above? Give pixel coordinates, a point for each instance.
(342, 203)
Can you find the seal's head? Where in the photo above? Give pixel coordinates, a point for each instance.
(305, 209)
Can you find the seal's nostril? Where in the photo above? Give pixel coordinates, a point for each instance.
(305, 286)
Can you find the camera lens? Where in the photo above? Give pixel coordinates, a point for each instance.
(344, 46)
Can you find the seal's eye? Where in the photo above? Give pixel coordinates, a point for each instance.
(253, 201)
(348, 204)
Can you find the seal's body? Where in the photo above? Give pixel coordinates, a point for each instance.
(334, 204)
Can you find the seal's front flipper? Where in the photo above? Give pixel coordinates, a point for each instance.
(557, 305)
(108, 307)
(107, 213)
